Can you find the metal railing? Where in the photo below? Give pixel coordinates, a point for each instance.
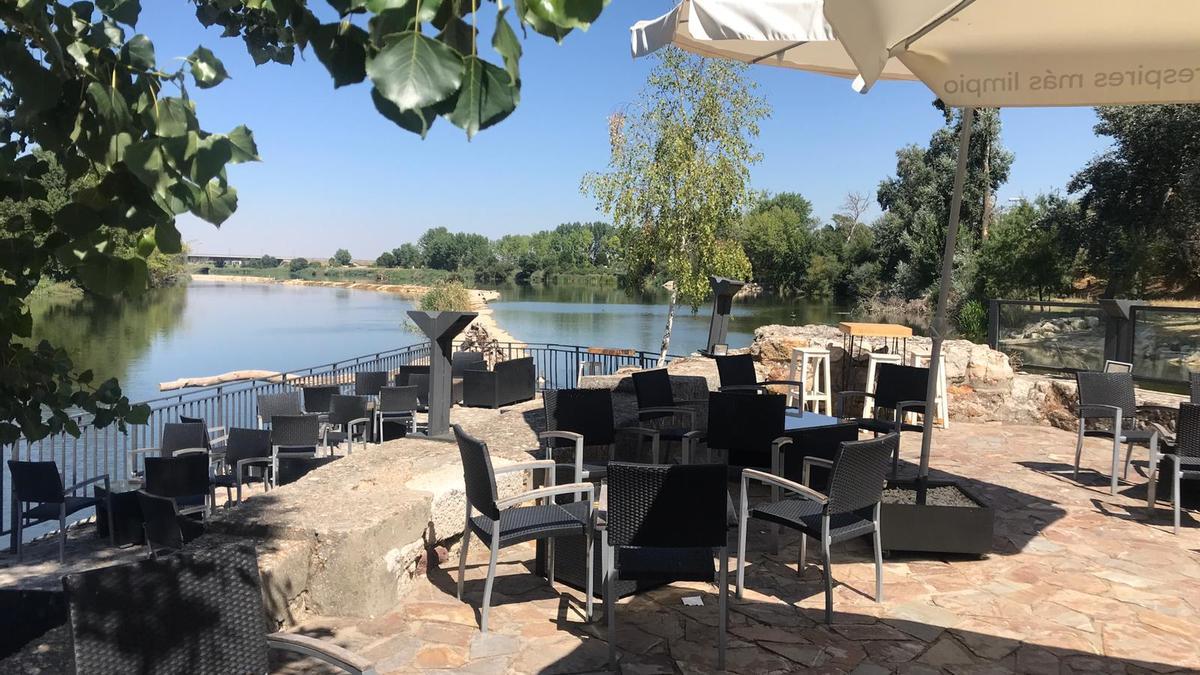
(96, 451)
(1162, 342)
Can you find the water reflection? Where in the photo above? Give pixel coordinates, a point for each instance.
(208, 328)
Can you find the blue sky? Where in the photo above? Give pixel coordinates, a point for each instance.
(336, 174)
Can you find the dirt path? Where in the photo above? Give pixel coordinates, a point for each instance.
(479, 298)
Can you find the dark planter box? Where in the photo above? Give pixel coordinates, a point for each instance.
(936, 529)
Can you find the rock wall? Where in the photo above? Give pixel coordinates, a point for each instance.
(983, 385)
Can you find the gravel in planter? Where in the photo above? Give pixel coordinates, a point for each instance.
(943, 495)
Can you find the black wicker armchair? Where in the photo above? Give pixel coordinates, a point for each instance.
(245, 449)
(40, 483)
(293, 435)
(349, 418)
(318, 399)
(368, 383)
(273, 405)
(1195, 388)
(581, 418)
(849, 510)
(663, 524)
(197, 612)
(747, 428)
(184, 479)
(1182, 450)
(397, 405)
(165, 527)
(177, 438)
(737, 373)
(504, 522)
(1110, 396)
(898, 390)
(216, 435)
(658, 408)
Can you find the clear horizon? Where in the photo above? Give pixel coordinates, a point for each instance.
(335, 174)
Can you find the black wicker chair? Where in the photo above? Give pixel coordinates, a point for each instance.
(579, 418)
(850, 510)
(657, 405)
(349, 418)
(369, 383)
(748, 428)
(1110, 396)
(663, 524)
(404, 373)
(421, 382)
(1182, 449)
(1195, 388)
(198, 612)
(40, 483)
(244, 449)
(396, 405)
(185, 479)
(318, 400)
(736, 372)
(898, 390)
(293, 435)
(503, 522)
(215, 441)
(177, 438)
(274, 405)
(165, 527)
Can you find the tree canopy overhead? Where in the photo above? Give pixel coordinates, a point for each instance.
(79, 85)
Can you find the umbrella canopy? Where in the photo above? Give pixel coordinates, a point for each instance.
(980, 53)
(970, 53)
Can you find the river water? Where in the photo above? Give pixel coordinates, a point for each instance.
(207, 328)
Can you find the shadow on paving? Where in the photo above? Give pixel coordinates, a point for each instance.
(1136, 488)
(769, 632)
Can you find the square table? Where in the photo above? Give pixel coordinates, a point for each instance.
(813, 435)
(122, 498)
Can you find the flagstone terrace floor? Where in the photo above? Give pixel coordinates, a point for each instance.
(1080, 582)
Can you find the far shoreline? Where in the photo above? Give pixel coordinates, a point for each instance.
(479, 298)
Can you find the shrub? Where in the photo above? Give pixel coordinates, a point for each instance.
(446, 296)
(972, 320)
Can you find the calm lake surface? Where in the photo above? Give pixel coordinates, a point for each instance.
(208, 328)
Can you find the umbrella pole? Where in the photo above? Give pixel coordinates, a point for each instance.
(938, 327)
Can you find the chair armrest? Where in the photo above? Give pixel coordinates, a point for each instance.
(360, 420)
(777, 447)
(140, 451)
(321, 650)
(85, 483)
(808, 463)
(549, 491)
(791, 486)
(742, 387)
(638, 431)
(790, 383)
(670, 410)
(567, 435)
(546, 464)
(692, 401)
(1097, 410)
(265, 461)
(184, 452)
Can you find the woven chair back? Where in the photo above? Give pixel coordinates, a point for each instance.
(667, 506)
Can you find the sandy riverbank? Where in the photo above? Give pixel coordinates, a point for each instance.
(479, 298)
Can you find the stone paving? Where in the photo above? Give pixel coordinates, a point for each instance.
(1080, 582)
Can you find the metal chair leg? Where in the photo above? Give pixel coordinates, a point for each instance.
(1116, 462)
(62, 533)
(20, 533)
(1128, 457)
(1152, 486)
(590, 537)
(491, 577)
(803, 554)
(1078, 450)
(610, 601)
(722, 603)
(550, 561)
(828, 583)
(743, 516)
(878, 560)
(1175, 489)
(462, 552)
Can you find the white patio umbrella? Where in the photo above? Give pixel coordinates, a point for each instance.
(971, 53)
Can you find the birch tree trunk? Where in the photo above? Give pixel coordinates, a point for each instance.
(666, 339)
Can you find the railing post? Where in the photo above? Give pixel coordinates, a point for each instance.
(993, 326)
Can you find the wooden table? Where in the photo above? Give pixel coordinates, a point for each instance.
(856, 333)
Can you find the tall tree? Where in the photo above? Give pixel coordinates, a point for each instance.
(679, 173)
(916, 201)
(1141, 200)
